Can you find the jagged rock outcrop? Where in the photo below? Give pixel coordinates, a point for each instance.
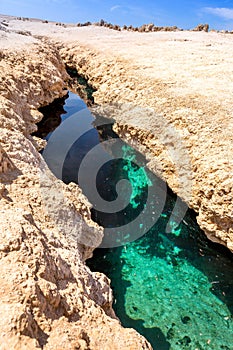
(201, 28)
(48, 298)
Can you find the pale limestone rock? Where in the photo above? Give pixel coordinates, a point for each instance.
(48, 297)
(193, 102)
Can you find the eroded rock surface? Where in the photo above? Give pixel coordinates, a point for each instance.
(192, 98)
(48, 298)
(181, 81)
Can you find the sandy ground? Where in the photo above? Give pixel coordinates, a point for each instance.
(187, 62)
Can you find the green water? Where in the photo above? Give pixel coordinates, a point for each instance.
(137, 176)
(174, 288)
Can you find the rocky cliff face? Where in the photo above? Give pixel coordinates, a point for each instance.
(49, 298)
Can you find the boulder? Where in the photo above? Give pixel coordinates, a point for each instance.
(201, 28)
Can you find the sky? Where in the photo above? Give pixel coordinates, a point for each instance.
(182, 13)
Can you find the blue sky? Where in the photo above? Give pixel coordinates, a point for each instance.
(184, 14)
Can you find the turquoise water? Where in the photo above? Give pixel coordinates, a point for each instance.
(174, 288)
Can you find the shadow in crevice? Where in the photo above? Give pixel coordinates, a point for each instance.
(52, 117)
(6, 179)
(34, 331)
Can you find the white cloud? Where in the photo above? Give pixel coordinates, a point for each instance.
(113, 8)
(223, 12)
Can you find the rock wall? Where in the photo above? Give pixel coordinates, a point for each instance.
(201, 167)
(48, 297)
(5, 162)
(162, 82)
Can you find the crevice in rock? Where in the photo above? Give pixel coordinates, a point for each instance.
(51, 117)
(80, 85)
(45, 253)
(141, 140)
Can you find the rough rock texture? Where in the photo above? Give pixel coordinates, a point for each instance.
(48, 298)
(5, 163)
(201, 27)
(192, 101)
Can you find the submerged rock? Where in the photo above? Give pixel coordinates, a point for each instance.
(177, 299)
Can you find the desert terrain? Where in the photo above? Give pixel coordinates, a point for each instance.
(171, 96)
